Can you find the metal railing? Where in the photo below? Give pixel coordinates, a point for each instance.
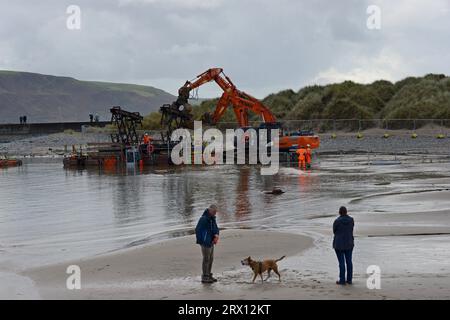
(354, 125)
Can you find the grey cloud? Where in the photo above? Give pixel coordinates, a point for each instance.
(263, 46)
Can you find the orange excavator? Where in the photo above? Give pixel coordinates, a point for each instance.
(241, 103)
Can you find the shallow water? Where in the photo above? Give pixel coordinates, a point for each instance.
(49, 214)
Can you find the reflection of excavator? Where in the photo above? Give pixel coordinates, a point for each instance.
(242, 103)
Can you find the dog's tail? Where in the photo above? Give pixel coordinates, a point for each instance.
(280, 258)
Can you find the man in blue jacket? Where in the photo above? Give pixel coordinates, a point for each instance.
(343, 244)
(207, 234)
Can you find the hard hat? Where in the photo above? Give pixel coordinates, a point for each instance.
(146, 134)
(308, 145)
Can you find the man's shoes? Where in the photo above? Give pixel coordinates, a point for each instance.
(349, 282)
(208, 280)
(212, 278)
(340, 283)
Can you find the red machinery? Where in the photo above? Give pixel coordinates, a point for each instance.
(242, 103)
(5, 163)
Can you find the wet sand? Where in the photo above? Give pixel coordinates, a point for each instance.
(141, 271)
(412, 223)
(170, 269)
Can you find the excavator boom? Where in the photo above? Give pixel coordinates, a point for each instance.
(242, 103)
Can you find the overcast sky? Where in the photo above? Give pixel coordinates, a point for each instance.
(263, 46)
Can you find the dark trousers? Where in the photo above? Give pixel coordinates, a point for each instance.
(345, 258)
(208, 257)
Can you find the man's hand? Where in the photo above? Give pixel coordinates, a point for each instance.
(216, 239)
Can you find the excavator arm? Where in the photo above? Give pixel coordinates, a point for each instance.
(213, 74)
(244, 101)
(241, 101)
(221, 107)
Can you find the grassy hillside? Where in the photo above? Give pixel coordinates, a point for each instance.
(410, 98)
(45, 98)
(424, 97)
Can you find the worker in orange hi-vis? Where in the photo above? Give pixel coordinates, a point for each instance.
(308, 156)
(301, 153)
(147, 138)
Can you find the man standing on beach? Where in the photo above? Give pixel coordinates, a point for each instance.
(343, 243)
(207, 234)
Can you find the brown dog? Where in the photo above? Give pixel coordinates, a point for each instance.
(259, 267)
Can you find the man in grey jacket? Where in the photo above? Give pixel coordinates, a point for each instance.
(343, 243)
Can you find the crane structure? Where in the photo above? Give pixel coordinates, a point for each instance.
(126, 123)
(178, 114)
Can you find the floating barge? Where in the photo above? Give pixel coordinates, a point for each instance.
(115, 155)
(128, 149)
(112, 156)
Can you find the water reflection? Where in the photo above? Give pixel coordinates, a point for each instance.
(128, 198)
(179, 194)
(243, 205)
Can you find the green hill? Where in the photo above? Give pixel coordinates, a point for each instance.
(46, 98)
(424, 97)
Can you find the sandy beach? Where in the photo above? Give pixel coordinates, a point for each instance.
(170, 269)
(164, 269)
